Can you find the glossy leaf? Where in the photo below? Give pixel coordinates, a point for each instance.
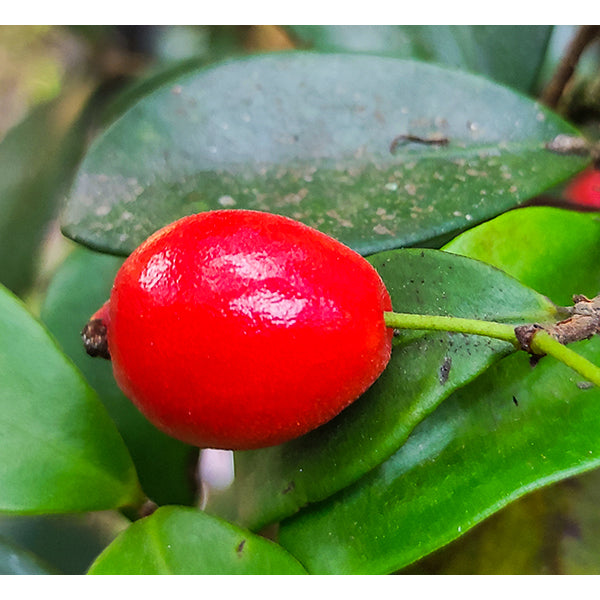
(185, 541)
(80, 286)
(318, 137)
(424, 370)
(509, 432)
(541, 242)
(561, 522)
(471, 457)
(60, 451)
(497, 546)
(508, 54)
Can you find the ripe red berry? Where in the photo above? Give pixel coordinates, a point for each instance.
(238, 329)
(584, 189)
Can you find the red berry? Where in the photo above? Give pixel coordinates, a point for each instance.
(584, 189)
(238, 329)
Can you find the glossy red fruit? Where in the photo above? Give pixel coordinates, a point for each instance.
(584, 189)
(238, 329)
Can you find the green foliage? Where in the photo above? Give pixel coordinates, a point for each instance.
(553, 251)
(290, 142)
(456, 443)
(36, 160)
(184, 541)
(60, 451)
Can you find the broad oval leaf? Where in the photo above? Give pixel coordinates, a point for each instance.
(325, 139)
(275, 482)
(185, 541)
(79, 287)
(60, 451)
(471, 457)
(509, 432)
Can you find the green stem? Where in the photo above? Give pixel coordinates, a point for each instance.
(500, 331)
(542, 343)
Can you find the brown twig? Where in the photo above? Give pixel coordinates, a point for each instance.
(583, 322)
(555, 88)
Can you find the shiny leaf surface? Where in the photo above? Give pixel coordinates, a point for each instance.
(476, 453)
(332, 152)
(60, 451)
(554, 251)
(185, 541)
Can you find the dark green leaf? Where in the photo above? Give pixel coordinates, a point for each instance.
(185, 541)
(508, 54)
(37, 160)
(80, 286)
(509, 432)
(67, 542)
(476, 453)
(275, 482)
(319, 138)
(17, 561)
(60, 451)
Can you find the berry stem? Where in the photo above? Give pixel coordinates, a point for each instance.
(500, 331)
(541, 341)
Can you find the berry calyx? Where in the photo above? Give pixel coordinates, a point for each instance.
(95, 334)
(239, 329)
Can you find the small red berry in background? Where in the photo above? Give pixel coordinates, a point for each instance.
(584, 189)
(238, 329)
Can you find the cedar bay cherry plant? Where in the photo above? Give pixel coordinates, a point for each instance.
(363, 288)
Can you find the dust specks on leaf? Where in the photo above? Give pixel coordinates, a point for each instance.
(410, 189)
(381, 230)
(585, 385)
(291, 486)
(102, 210)
(226, 201)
